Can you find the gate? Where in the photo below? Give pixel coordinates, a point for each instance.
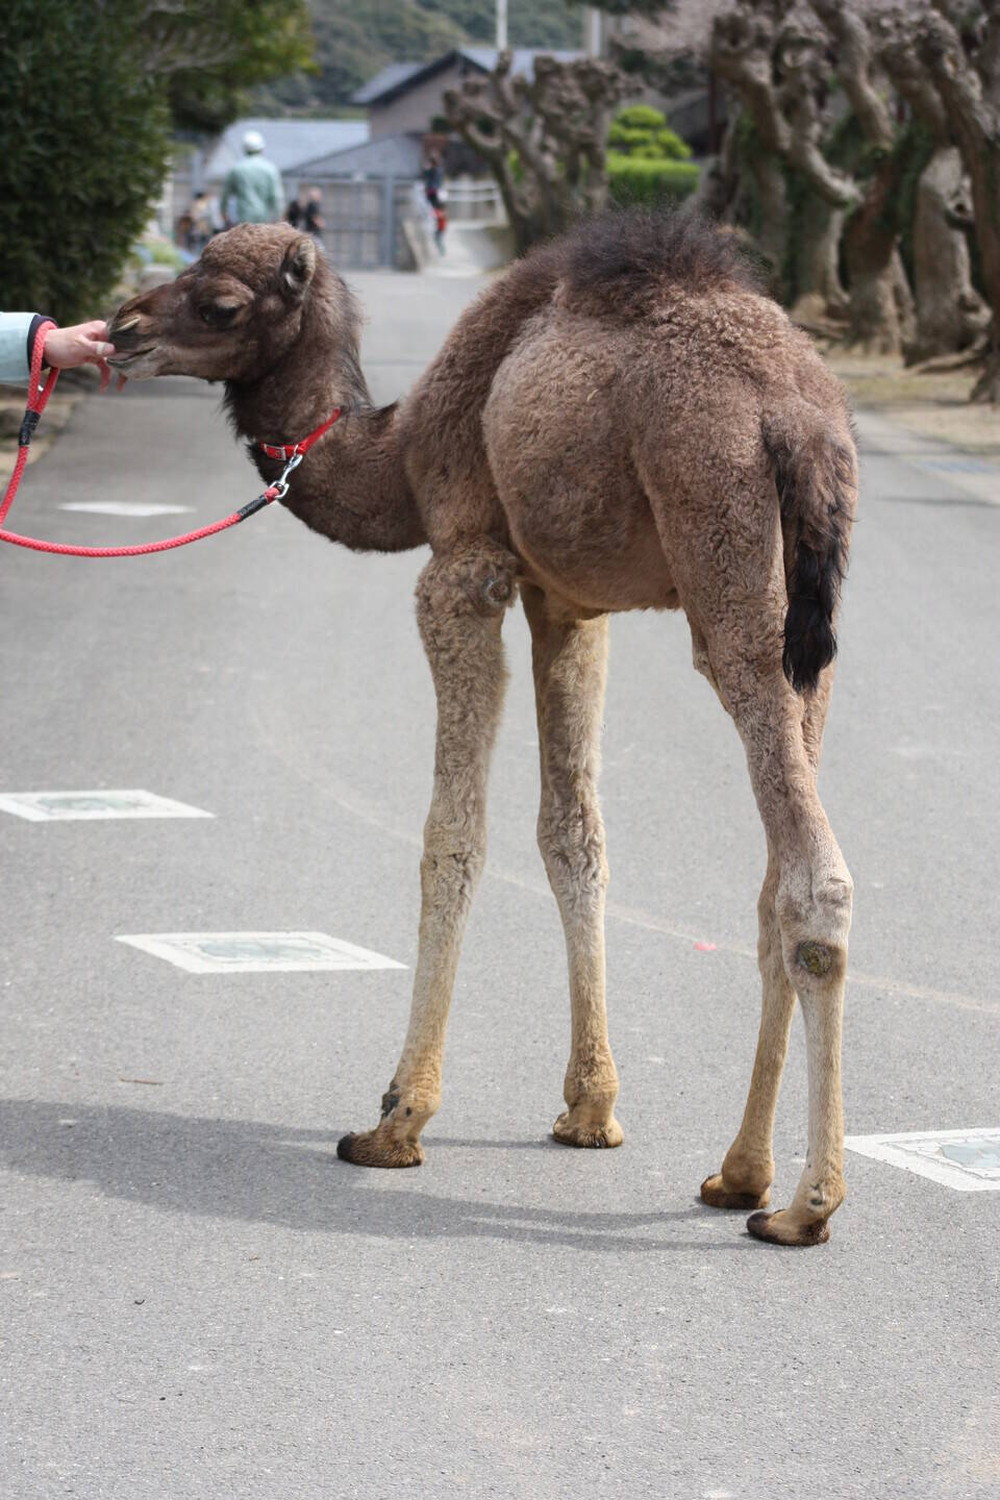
(363, 219)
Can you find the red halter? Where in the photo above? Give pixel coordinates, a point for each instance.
(285, 451)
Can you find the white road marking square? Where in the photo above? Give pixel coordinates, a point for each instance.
(257, 952)
(126, 508)
(968, 1160)
(53, 807)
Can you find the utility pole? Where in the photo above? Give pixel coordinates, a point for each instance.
(501, 25)
(593, 32)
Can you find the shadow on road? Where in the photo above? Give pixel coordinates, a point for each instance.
(248, 1170)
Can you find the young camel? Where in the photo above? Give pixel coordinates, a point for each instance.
(619, 422)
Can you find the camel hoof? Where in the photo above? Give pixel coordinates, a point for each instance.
(589, 1135)
(717, 1195)
(377, 1148)
(779, 1229)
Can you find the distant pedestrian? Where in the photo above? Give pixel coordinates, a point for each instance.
(440, 219)
(252, 192)
(204, 222)
(294, 213)
(433, 178)
(312, 215)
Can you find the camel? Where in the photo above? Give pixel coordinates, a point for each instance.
(620, 421)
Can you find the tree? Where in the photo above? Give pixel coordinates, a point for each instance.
(910, 156)
(544, 140)
(951, 315)
(207, 53)
(779, 58)
(83, 142)
(85, 128)
(963, 62)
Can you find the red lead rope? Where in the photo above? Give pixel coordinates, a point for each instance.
(37, 401)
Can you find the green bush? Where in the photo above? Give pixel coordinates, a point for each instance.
(83, 149)
(642, 131)
(636, 179)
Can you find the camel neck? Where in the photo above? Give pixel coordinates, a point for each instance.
(352, 485)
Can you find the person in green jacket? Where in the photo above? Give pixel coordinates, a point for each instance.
(83, 344)
(252, 192)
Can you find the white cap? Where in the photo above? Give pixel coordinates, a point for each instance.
(253, 141)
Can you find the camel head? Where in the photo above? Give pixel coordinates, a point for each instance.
(235, 313)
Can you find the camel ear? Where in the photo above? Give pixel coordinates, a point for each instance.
(297, 268)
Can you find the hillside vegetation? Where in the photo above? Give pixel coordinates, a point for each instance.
(357, 38)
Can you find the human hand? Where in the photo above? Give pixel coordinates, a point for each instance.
(84, 344)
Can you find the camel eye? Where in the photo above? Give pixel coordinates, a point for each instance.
(218, 314)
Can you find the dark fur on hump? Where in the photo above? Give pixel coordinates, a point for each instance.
(618, 263)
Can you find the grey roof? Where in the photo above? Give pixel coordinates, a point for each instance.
(389, 156)
(524, 58)
(286, 142)
(387, 82)
(395, 79)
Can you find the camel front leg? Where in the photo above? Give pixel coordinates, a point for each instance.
(570, 662)
(461, 600)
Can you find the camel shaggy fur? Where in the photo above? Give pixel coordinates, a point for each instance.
(621, 421)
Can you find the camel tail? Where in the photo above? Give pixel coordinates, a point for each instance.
(815, 472)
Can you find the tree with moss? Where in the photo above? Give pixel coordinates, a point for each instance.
(862, 153)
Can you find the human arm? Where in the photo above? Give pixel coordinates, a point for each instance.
(82, 344)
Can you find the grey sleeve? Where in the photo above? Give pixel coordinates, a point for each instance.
(277, 195)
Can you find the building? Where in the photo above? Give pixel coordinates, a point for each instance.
(407, 98)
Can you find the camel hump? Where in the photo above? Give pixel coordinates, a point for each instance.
(623, 262)
(815, 471)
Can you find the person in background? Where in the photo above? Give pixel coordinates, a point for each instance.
(204, 222)
(312, 215)
(294, 214)
(252, 191)
(440, 219)
(82, 344)
(433, 178)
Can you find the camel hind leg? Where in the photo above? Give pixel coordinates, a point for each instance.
(731, 583)
(748, 1169)
(569, 658)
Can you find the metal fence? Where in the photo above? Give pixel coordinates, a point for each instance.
(474, 200)
(364, 216)
(363, 221)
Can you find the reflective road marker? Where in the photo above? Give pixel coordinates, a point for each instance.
(126, 508)
(52, 807)
(968, 1160)
(256, 952)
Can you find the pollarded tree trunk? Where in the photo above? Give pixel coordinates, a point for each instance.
(771, 201)
(969, 87)
(544, 139)
(880, 317)
(951, 315)
(820, 293)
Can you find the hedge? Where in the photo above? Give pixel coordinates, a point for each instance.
(636, 179)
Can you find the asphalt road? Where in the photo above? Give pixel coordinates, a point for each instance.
(198, 1299)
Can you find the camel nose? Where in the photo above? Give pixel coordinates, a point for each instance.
(125, 329)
